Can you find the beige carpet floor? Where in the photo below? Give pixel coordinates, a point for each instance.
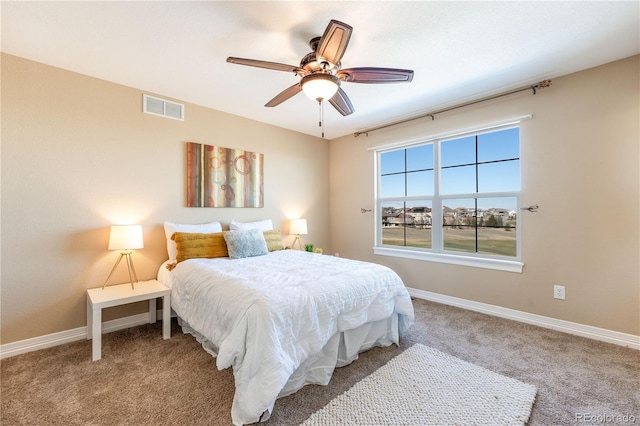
(145, 380)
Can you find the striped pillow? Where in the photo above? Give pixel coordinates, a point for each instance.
(198, 246)
(273, 240)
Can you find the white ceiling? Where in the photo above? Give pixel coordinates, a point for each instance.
(458, 50)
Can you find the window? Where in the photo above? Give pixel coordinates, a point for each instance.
(452, 200)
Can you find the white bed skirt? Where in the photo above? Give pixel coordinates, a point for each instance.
(341, 349)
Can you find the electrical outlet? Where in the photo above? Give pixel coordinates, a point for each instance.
(337, 255)
(558, 292)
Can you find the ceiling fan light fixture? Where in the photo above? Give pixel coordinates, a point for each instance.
(320, 86)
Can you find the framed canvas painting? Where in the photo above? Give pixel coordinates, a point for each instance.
(224, 177)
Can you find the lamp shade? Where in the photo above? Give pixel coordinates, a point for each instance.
(125, 237)
(298, 227)
(319, 87)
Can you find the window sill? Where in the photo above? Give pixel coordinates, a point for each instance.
(452, 259)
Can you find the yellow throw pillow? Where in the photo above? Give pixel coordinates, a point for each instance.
(198, 246)
(273, 240)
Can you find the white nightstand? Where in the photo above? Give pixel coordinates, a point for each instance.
(121, 294)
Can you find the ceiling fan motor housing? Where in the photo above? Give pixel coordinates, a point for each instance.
(312, 64)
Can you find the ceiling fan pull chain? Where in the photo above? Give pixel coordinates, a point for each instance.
(321, 112)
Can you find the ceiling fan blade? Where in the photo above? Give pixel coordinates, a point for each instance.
(375, 75)
(334, 41)
(284, 95)
(264, 64)
(341, 102)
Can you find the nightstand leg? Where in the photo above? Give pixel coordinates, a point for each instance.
(96, 331)
(89, 319)
(152, 311)
(166, 317)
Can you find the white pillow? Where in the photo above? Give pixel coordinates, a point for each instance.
(202, 228)
(260, 225)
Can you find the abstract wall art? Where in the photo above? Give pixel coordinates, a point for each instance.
(224, 177)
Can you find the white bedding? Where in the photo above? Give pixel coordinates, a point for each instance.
(266, 315)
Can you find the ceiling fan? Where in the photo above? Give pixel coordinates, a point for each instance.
(321, 73)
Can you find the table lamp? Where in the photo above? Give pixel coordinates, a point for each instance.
(298, 227)
(125, 238)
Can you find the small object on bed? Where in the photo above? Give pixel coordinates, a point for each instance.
(170, 228)
(273, 239)
(198, 246)
(249, 243)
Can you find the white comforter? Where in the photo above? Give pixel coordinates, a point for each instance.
(265, 315)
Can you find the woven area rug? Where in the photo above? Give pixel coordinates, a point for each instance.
(423, 386)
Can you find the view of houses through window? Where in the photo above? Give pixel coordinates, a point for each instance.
(457, 195)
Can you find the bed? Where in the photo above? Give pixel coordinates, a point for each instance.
(285, 318)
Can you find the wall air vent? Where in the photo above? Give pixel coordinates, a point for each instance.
(162, 107)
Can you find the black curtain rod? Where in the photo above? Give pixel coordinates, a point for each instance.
(534, 87)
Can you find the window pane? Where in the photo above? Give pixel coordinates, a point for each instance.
(497, 241)
(458, 180)
(393, 220)
(458, 151)
(392, 186)
(418, 224)
(502, 176)
(497, 220)
(501, 145)
(458, 225)
(392, 162)
(420, 183)
(420, 158)
(408, 226)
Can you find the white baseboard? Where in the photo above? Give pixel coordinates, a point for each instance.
(604, 335)
(73, 335)
(615, 337)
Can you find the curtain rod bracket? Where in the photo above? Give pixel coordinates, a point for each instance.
(540, 85)
(533, 208)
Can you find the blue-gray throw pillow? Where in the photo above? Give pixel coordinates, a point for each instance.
(246, 243)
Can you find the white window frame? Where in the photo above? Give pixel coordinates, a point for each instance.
(436, 253)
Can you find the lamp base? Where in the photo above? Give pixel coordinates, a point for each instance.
(298, 240)
(132, 269)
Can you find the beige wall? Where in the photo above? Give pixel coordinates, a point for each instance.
(79, 155)
(579, 162)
